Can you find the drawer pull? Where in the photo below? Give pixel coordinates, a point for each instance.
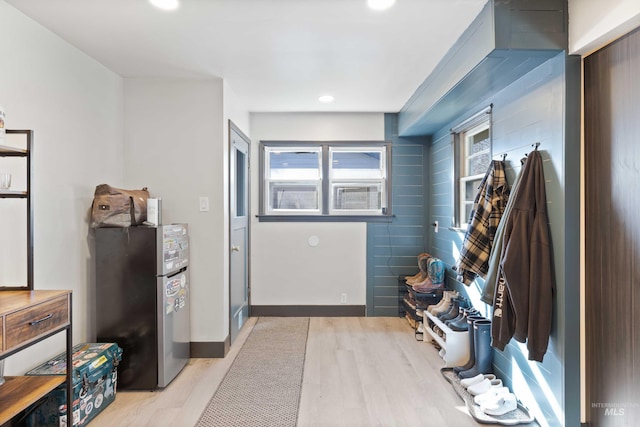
(47, 317)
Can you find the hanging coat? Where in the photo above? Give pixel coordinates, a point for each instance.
(523, 302)
(488, 207)
(491, 278)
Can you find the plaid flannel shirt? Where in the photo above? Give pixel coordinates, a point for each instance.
(488, 207)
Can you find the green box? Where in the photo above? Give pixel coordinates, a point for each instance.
(94, 377)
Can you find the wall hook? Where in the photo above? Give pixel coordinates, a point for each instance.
(536, 145)
(504, 156)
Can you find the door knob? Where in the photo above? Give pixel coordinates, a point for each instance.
(235, 248)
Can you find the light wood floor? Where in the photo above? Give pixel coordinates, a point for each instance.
(367, 371)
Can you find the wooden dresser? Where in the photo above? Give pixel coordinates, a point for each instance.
(27, 317)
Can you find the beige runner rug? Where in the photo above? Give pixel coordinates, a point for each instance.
(262, 386)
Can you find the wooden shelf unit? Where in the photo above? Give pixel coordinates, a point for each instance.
(27, 154)
(28, 317)
(18, 393)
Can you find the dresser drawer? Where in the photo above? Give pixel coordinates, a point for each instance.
(30, 323)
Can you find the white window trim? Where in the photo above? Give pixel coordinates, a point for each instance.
(478, 122)
(326, 212)
(355, 182)
(317, 183)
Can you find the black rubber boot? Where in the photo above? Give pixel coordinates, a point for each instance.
(457, 318)
(482, 350)
(459, 324)
(472, 356)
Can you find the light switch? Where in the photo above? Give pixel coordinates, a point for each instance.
(204, 204)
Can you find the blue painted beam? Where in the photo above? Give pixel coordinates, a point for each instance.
(503, 43)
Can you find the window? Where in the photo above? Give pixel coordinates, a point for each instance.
(305, 180)
(293, 180)
(472, 157)
(357, 180)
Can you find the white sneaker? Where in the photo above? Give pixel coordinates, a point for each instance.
(483, 386)
(475, 380)
(501, 405)
(420, 329)
(490, 395)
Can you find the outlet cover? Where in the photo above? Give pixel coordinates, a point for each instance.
(343, 298)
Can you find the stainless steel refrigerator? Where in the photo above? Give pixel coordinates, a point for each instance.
(142, 301)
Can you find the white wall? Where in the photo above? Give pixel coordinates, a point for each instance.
(74, 105)
(91, 127)
(595, 23)
(174, 145)
(285, 269)
(234, 110)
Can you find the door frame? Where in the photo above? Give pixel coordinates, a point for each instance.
(233, 128)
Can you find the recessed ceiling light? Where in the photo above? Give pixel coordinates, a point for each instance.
(380, 4)
(325, 99)
(165, 4)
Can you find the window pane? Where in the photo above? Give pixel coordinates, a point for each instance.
(240, 183)
(471, 189)
(288, 196)
(477, 151)
(357, 197)
(357, 164)
(468, 207)
(479, 142)
(294, 165)
(468, 191)
(479, 163)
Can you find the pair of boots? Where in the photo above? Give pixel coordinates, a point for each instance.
(422, 274)
(431, 275)
(459, 323)
(444, 304)
(480, 352)
(455, 305)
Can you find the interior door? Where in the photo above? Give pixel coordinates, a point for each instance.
(612, 233)
(239, 229)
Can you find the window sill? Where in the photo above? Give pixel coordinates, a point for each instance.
(458, 229)
(325, 218)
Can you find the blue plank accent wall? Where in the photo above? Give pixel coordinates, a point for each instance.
(542, 106)
(392, 247)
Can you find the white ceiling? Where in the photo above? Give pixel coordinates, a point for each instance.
(277, 55)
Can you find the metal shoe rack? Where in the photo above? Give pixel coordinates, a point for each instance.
(411, 301)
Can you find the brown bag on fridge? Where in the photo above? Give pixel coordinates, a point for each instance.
(114, 207)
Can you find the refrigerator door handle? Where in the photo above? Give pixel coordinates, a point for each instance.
(183, 269)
